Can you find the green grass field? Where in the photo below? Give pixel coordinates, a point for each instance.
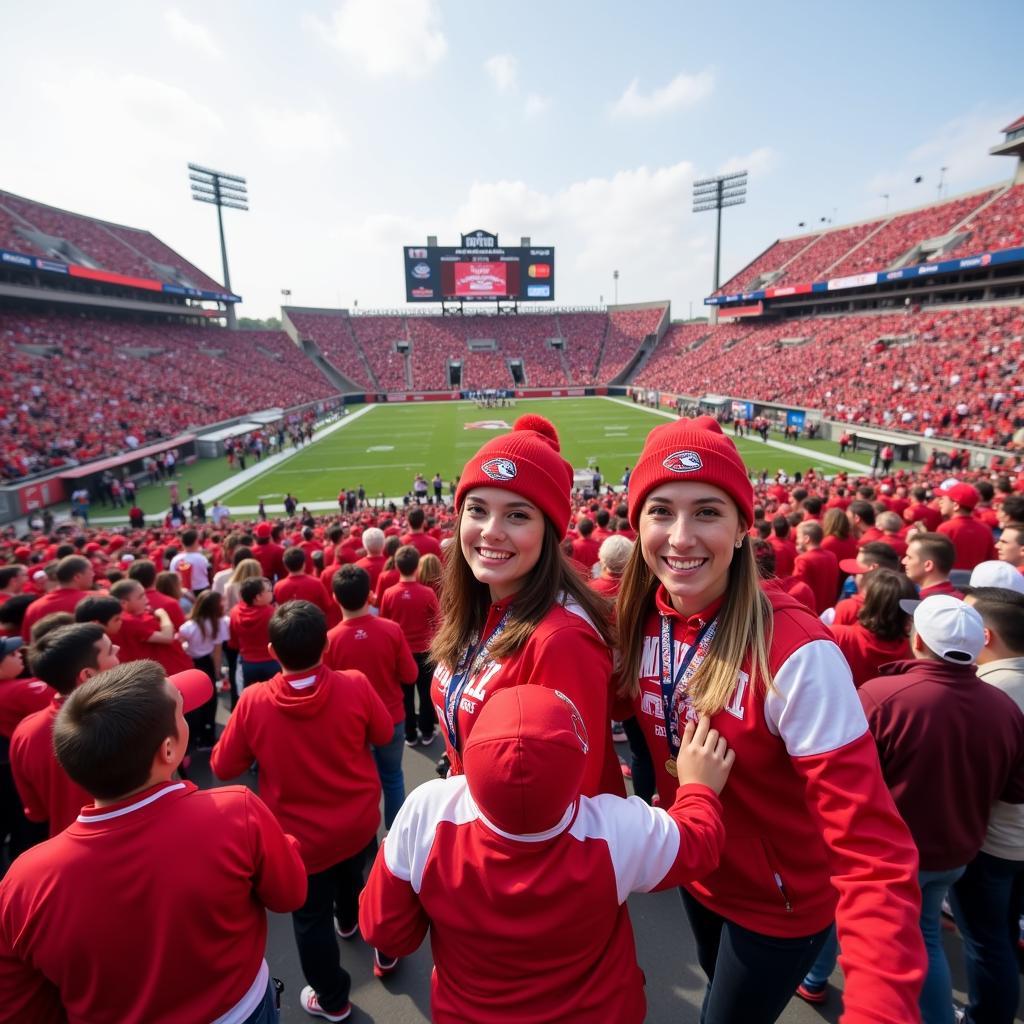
(388, 445)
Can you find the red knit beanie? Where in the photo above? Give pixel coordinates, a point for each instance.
(526, 462)
(690, 450)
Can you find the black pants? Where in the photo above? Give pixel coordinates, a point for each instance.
(202, 721)
(332, 894)
(13, 823)
(751, 977)
(641, 764)
(232, 657)
(424, 719)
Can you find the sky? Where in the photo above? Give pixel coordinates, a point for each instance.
(365, 125)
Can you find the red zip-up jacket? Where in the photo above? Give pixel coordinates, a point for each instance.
(807, 814)
(311, 734)
(248, 630)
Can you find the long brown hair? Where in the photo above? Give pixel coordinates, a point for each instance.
(881, 613)
(465, 601)
(836, 524)
(744, 627)
(207, 612)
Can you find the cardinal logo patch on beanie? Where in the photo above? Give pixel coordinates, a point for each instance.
(500, 469)
(683, 462)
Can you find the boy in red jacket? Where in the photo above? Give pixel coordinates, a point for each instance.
(310, 729)
(150, 908)
(523, 883)
(249, 624)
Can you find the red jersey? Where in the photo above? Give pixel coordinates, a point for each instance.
(414, 607)
(848, 609)
(115, 896)
(930, 517)
(826, 826)
(133, 639)
(972, 541)
(866, 653)
(942, 587)
(839, 547)
(607, 585)
(20, 698)
(301, 587)
(785, 555)
(311, 736)
(373, 564)
(387, 579)
(46, 790)
(377, 648)
(63, 599)
(172, 656)
(584, 553)
(271, 559)
(248, 630)
(820, 571)
(423, 543)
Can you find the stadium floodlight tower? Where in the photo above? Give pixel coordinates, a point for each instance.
(715, 194)
(221, 190)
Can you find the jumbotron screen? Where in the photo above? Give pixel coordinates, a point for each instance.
(479, 270)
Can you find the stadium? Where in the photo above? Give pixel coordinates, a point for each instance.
(877, 362)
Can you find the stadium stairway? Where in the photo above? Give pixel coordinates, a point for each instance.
(370, 375)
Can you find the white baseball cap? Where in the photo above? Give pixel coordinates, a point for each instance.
(950, 628)
(997, 574)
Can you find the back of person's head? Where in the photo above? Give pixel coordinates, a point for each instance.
(373, 541)
(1013, 507)
(584, 527)
(1002, 611)
(602, 518)
(351, 586)
(143, 570)
(169, 584)
(525, 758)
(919, 494)
(864, 510)
(71, 566)
(59, 656)
(246, 569)
(189, 537)
(415, 518)
(985, 489)
(9, 573)
(835, 524)
(936, 548)
(614, 554)
(307, 533)
(947, 629)
(764, 555)
(294, 559)
(429, 569)
(780, 527)
(12, 611)
(407, 558)
(881, 613)
(241, 554)
(877, 552)
(763, 529)
(110, 729)
(250, 589)
(298, 634)
(812, 505)
(812, 533)
(124, 590)
(889, 522)
(48, 623)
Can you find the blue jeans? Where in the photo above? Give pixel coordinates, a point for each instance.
(266, 1012)
(936, 1000)
(987, 903)
(258, 671)
(389, 768)
(822, 968)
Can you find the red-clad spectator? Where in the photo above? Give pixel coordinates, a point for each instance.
(919, 511)
(972, 540)
(143, 630)
(74, 576)
(298, 585)
(796, 588)
(816, 567)
(248, 630)
(785, 549)
(585, 548)
(376, 647)
(374, 559)
(171, 656)
(268, 553)
(19, 696)
(417, 537)
(63, 659)
(612, 557)
(928, 563)
(872, 556)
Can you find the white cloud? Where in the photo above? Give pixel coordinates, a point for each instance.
(296, 132)
(387, 37)
(536, 105)
(683, 91)
(758, 161)
(503, 69)
(196, 36)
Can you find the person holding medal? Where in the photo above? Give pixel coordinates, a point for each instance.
(513, 609)
(812, 834)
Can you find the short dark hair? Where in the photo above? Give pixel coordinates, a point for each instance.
(879, 553)
(71, 566)
(407, 558)
(250, 589)
(298, 633)
(9, 573)
(881, 613)
(294, 559)
(1013, 507)
(50, 622)
(60, 655)
(937, 548)
(416, 517)
(242, 552)
(110, 728)
(99, 609)
(584, 527)
(143, 570)
(812, 505)
(189, 537)
(351, 586)
(12, 611)
(812, 531)
(602, 517)
(865, 510)
(780, 526)
(123, 589)
(1002, 611)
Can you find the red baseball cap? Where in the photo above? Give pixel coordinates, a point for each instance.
(853, 568)
(196, 688)
(263, 531)
(963, 494)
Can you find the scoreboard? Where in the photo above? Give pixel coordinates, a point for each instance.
(479, 270)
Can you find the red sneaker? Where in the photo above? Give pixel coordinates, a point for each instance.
(383, 965)
(816, 994)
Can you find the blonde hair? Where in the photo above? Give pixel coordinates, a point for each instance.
(743, 630)
(245, 570)
(429, 570)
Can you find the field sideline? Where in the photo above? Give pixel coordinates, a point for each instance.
(387, 446)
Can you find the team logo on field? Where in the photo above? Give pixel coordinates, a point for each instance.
(487, 425)
(500, 469)
(683, 462)
(579, 726)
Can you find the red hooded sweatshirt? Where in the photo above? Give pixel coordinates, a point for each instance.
(311, 734)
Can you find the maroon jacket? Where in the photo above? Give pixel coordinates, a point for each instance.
(950, 746)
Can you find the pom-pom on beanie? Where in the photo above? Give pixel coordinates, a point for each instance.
(527, 462)
(689, 450)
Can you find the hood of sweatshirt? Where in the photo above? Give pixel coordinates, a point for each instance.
(524, 760)
(301, 694)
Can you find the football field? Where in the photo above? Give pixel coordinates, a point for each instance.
(387, 445)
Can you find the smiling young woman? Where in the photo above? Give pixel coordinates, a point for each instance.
(513, 609)
(808, 816)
